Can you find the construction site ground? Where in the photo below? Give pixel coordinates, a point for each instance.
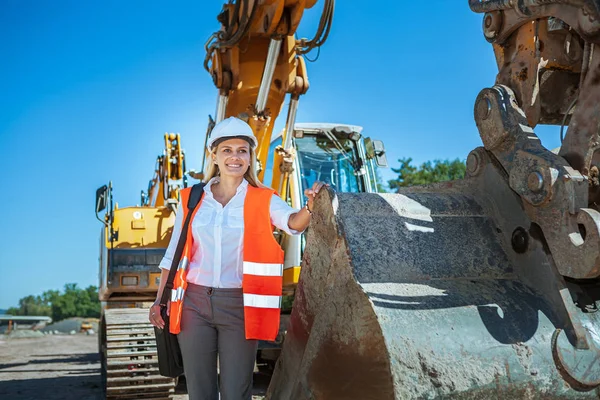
(63, 367)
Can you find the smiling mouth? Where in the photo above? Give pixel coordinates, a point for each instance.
(234, 165)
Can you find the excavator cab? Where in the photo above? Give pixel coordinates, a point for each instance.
(334, 154)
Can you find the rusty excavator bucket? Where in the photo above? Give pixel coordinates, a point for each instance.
(438, 292)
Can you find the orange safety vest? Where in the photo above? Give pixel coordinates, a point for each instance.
(263, 268)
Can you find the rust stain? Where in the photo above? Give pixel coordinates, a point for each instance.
(522, 75)
(301, 320)
(341, 371)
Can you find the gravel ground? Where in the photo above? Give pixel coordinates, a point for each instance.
(62, 367)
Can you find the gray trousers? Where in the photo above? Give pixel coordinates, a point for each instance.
(212, 323)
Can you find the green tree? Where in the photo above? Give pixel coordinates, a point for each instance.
(34, 305)
(428, 172)
(74, 302)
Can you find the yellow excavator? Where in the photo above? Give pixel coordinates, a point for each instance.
(132, 243)
(255, 62)
(481, 288)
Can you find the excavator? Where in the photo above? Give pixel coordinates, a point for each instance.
(482, 288)
(132, 243)
(255, 62)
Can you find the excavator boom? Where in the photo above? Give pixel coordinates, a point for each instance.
(255, 60)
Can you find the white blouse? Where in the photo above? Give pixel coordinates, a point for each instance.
(218, 234)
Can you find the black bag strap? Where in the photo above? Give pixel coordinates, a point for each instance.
(194, 199)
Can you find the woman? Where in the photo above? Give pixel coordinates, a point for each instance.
(227, 291)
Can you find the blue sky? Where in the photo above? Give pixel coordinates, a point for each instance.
(87, 90)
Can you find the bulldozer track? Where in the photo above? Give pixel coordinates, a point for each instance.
(129, 358)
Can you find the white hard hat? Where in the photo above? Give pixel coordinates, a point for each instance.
(232, 127)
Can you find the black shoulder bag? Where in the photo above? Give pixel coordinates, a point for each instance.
(170, 362)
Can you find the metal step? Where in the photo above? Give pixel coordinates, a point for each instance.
(154, 377)
(149, 339)
(154, 388)
(132, 354)
(133, 331)
(118, 346)
(122, 323)
(131, 362)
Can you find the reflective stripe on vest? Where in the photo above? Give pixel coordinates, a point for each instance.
(262, 268)
(252, 268)
(260, 301)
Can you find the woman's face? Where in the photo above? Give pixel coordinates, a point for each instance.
(233, 157)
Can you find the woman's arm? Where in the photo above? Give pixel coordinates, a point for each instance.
(299, 221)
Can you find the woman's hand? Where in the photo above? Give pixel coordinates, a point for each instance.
(299, 221)
(155, 317)
(312, 192)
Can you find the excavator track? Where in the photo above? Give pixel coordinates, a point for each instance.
(129, 358)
